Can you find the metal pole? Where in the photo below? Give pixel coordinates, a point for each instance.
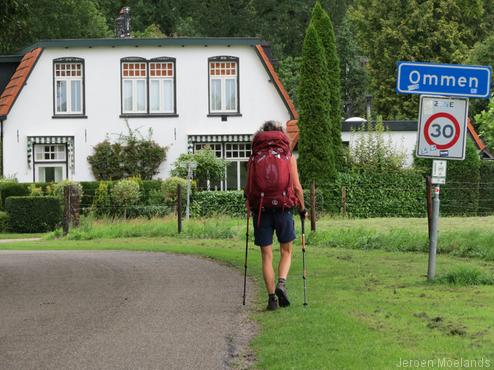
(428, 190)
(431, 272)
(189, 175)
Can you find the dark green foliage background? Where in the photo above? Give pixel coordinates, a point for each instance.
(33, 214)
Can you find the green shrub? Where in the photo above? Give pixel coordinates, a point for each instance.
(4, 221)
(125, 194)
(12, 188)
(132, 155)
(214, 203)
(58, 188)
(35, 191)
(88, 192)
(486, 188)
(209, 167)
(460, 195)
(169, 189)
(33, 214)
(102, 202)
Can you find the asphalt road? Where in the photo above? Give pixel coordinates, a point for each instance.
(120, 310)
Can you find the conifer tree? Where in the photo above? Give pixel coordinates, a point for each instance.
(324, 27)
(316, 158)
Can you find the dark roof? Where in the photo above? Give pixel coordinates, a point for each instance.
(168, 41)
(10, 58)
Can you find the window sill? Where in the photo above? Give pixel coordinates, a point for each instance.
(231, 114)
(64, 116)
(146, 115)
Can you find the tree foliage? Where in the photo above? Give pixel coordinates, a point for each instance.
(324, 27)
(485, 123)
(372, 152)
(209, 167)
(316, 158)
(428, 30)
(131, 156)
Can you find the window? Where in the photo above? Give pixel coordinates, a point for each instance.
(148, 87)
(217, 148)
(68, 86)
(50, 162)
(134, 82)
(51, 152)
(161, 87)
(236, 172)
(223, 85)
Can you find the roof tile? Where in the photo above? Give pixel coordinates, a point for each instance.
(17, 81)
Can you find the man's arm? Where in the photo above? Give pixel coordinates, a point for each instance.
(297, 187)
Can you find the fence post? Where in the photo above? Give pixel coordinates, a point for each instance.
(343, 201)
(67, 209)
(313, 206)
(428, 194)
(75, 203)
(179, 207)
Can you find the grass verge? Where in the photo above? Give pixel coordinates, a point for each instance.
(368, 309)
(463, 237)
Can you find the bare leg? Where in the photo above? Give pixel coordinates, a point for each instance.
(285, 260)
(267, 268)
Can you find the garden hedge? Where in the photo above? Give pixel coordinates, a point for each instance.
(4, 221)
(11, 188)
(33, 214)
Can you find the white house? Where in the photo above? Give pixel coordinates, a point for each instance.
(59, 98)
(62, 97)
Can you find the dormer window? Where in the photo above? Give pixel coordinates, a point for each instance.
(223, 85)
(68, 87)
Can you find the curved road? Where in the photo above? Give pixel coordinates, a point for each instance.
(120, 310)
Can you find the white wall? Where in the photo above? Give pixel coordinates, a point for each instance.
(402, 141)
(32, 113)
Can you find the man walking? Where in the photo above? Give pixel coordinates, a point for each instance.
(273, 189)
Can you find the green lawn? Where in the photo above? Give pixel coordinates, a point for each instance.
(4, 236)
(367, 308)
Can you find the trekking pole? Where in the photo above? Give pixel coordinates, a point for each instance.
(246, 252)
(304, 276)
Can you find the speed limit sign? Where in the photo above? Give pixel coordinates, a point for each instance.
(442, 127)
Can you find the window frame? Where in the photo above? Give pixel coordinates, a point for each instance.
(69, 60)
(147, 112)
(237, 160)
(224, 113)
(49, 163)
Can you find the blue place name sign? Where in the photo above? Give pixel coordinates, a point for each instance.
(444, 79)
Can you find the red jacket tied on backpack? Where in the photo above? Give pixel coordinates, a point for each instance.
(269, 183)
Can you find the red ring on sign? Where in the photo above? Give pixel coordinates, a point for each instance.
(449, 117)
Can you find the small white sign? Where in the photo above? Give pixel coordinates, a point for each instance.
(442, 127)
(439, 168)
(438, 180)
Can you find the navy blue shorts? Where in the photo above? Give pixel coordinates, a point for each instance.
(272, 220)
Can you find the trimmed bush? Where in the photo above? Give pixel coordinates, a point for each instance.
(33, 214)
(213, 203)
(12, 188)
(4, 221)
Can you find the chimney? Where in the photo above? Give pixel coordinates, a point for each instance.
(122, 23)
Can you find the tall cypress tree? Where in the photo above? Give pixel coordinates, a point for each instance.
(316, 158)
(324, 27)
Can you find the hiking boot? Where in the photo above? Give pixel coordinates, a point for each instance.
(282, 295)
(272, 303)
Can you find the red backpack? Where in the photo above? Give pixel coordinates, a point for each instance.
(269, 184)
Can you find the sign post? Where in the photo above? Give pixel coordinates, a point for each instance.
(442, 120)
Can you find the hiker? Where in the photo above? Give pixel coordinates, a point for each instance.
(273, 189)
